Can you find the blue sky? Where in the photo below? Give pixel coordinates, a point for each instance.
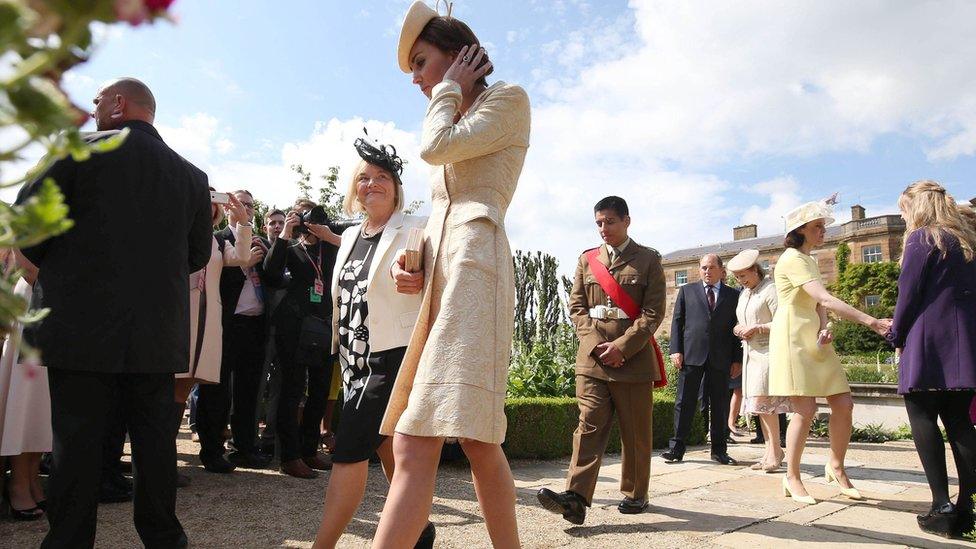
(702, 115)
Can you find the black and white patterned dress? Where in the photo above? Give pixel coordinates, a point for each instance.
(367, 377)
(354, 317)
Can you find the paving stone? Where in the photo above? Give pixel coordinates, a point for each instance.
(685, 512)
(884, 524)
(786, 535)
(693, 479)
(810, 513)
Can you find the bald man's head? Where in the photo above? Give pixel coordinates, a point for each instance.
(122, 100)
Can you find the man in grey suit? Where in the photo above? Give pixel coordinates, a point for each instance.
(703, 348)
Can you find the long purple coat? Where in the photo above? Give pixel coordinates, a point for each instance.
(935, 318)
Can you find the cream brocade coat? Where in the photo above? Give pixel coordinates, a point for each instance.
(756, 306)
(453, 378)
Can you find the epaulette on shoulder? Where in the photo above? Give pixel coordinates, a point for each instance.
(588, 250)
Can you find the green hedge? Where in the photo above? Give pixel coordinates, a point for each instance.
(542, 427)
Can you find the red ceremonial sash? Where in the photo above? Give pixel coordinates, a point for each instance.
(624, 301)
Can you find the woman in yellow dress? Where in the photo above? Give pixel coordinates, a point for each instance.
(802, 361)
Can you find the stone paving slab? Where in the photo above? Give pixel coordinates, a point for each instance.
(809, 513)
(888, 525)
(696, 503)
(785, 535)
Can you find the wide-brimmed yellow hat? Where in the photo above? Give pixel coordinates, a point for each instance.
(743, 260)
(801, 215)
(416, 19)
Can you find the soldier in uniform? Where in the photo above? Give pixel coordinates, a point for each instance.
(617, 365)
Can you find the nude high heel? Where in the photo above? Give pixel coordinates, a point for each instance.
(807, 500)
(849, 492)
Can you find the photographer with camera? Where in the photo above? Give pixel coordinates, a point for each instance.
(302, 322)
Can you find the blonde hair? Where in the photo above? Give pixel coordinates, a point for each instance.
(351, 205)
(926, 205)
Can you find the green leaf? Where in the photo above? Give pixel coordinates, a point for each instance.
(42, 216)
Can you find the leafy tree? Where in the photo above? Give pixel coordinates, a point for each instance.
(843, 257)
(329, 197)
(863, 279)
(854, 282)
(304, 182)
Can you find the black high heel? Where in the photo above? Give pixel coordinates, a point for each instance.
(34, 513)
(939, 521)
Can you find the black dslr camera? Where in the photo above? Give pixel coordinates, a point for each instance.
(315, 216)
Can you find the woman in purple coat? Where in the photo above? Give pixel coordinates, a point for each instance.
(935, 328)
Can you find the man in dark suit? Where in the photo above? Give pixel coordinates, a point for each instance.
(703, 348)
(119, 322)
(270, 374)
(244, 335)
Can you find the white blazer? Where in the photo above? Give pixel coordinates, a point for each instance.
(392, 315)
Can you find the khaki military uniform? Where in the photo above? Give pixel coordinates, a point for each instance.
(602, 391)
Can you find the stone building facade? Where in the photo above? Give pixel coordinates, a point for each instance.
(870, 239)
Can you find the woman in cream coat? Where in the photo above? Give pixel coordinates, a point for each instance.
(371, 326)
(754, 315)
(453, 379)
(206, 340)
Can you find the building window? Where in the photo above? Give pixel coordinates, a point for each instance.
(872, 300)
(871, 254)
(680, 278)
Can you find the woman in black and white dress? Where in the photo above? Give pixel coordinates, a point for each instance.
(372, 324)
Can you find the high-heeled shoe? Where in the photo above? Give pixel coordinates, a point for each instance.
(807, 500)
(851, 492)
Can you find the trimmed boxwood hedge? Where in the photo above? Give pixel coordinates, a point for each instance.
(542, 427)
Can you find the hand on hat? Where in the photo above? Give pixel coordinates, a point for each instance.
(465, 70)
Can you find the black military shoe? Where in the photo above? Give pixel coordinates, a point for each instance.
(672, 457)
(568, 504)
(724, 459)
(630, 506)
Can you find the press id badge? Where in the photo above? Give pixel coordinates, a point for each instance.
(316, 291)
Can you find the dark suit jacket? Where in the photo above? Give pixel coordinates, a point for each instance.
(935, 318)
(232, 278)
(296, 305)
(638, 271)
(117, 282)
(703, 337)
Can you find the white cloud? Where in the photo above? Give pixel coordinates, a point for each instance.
(196, 137)
(202, 140)
(653, 116)
(783, 194)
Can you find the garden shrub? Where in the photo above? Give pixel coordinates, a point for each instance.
(542, 427)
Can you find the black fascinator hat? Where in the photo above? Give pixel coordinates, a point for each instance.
(384, 156)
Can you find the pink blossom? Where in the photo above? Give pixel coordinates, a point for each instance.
(136, 12)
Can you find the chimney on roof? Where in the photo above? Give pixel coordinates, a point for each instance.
(744, 232)
(857, 212)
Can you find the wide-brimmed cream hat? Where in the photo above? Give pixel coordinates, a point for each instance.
(416, 19)
(743, 260)
(801, 215)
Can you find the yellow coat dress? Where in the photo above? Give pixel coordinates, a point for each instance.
(798, 365)
(453, 378)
